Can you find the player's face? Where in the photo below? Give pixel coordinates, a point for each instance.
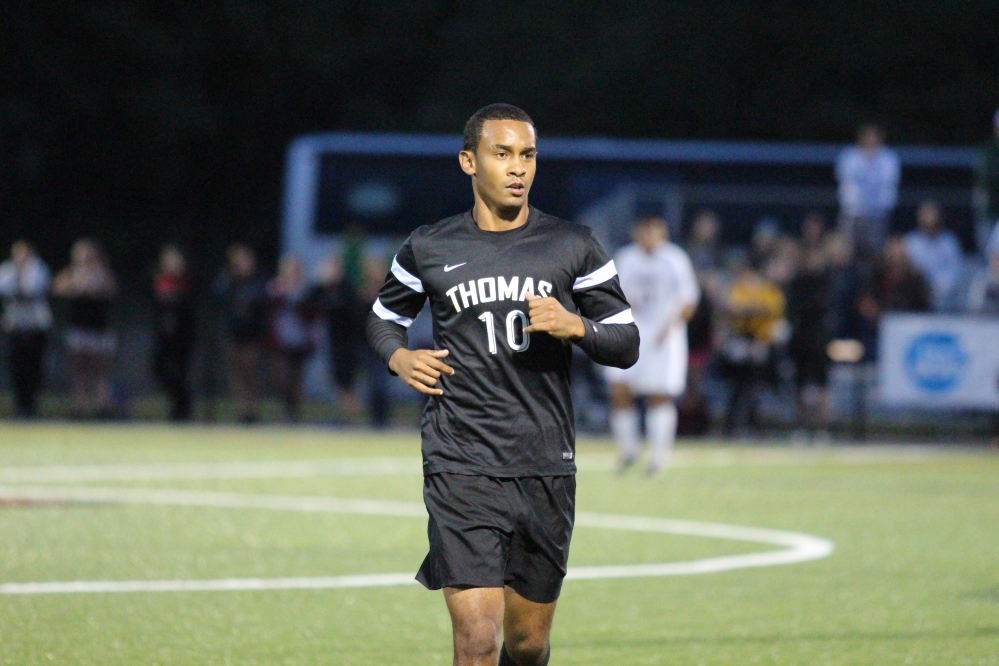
(503, 166)
(650, 235)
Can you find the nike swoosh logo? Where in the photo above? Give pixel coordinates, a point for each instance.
(448, 269)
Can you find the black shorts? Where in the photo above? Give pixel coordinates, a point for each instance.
(490, 532)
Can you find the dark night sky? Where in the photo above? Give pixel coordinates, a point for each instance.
(143, 121)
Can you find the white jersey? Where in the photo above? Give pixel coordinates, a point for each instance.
(659, 286)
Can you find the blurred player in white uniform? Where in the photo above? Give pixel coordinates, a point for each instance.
(659, 282)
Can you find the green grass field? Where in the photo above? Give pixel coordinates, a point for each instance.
(913, 578)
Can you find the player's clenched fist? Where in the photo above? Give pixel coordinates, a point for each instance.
(547, 315)
(420, 368)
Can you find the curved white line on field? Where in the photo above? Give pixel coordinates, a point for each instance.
(796, 547)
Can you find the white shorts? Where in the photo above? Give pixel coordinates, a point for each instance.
(661, 368)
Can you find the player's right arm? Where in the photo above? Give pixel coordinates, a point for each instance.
(399, 302)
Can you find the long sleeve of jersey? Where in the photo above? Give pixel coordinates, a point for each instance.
(399, 302)
(385, 337)
(611, 334)
(610, 344)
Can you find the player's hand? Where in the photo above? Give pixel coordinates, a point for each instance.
(420, 368)
(548, 316)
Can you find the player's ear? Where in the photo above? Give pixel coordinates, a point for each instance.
(467, 161)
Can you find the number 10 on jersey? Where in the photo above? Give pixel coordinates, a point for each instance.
(511, 330)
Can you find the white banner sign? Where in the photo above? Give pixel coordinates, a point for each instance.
(939, 361)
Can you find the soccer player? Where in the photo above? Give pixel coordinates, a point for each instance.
(659, 282)
(511, 289)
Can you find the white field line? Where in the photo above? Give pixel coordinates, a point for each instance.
(203, 498)
(262, 469)
(795, 547)
(218, 585)
(411, 466)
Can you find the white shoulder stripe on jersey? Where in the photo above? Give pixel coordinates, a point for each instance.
(599, 276)
(623, 317)
(386, 314)
(405, 277)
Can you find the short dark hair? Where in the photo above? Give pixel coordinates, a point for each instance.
(473, 128)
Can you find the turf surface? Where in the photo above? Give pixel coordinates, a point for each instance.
(913, 579)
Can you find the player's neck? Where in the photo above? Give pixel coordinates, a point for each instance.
(493, 218)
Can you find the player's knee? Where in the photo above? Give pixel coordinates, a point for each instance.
(527, 649)
(476, 641)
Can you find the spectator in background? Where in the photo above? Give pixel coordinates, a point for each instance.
(983, 293)
(379, 401)
(294, 332)
(764, 241)
(987, 185)
(844, 289)
(783, 262)
(174, 296)
(243, 293)
(814, 233)
(935, 252)
(893, 286)
(345, 317)
(705, 252)
(703, 241)
(694, 412)
(755, 309)
(868, 175)
(983, 299)
(808, 314)
(27, 319)
(89, 289)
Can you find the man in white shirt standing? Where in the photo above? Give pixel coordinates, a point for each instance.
(868, 175)
(936, 252)
(658, 279)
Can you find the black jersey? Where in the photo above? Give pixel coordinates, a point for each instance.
(506, 412)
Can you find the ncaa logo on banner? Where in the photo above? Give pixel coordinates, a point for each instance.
(935, 362)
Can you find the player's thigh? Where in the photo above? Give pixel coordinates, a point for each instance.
(467, 604)
(526, 621)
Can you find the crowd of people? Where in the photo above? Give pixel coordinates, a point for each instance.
(271, 328)
(802, 299)
(781, 309)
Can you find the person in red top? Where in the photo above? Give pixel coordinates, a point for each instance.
(173, 290)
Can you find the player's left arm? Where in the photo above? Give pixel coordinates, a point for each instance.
(604, 327)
